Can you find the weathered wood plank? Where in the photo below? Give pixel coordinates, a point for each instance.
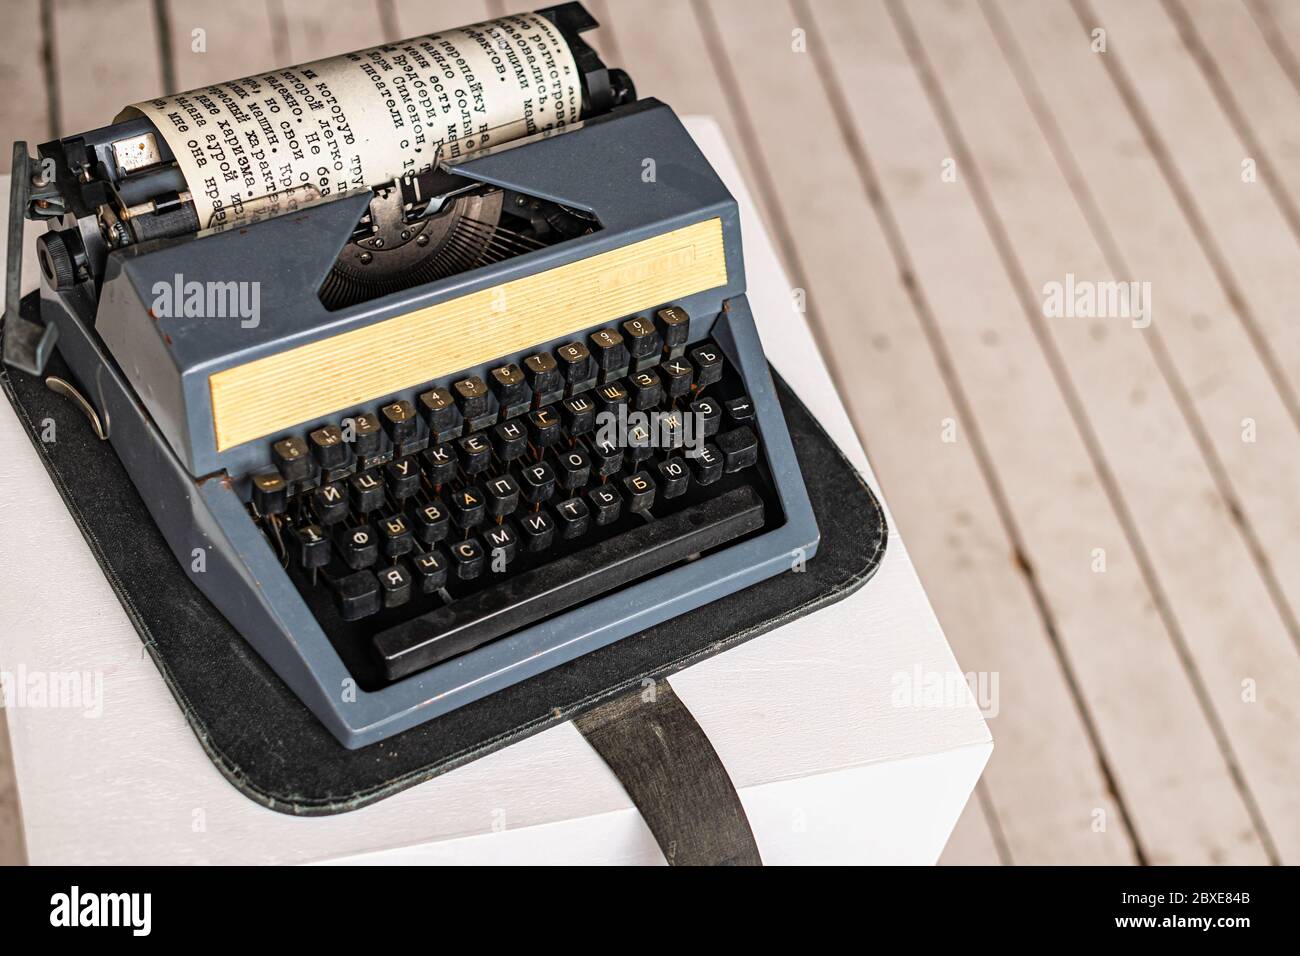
(973, 842)
(1245, 235)
(96, 74)
(1252, 89)
(237, 38)
(416, 17)
(894, 371)
(27, 111)
(317, 30)
(1224, 384)
(1177, 782)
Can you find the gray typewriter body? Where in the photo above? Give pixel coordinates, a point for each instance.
(148, 383)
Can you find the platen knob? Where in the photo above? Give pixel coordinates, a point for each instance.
(55, 256)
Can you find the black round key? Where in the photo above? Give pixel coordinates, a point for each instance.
(399, 421)
(606, 504)
(502, 495)
(292, 458)
(578, 415)
(677, 375)
(429, 570)
(366, 491)
(475, 453)
(395, 536)
(643, 341)
(708, 416)
(707, 359)
(270, 493)
(673, 477)
(440, 412)
(537, 482)
(329, 502)
(543, 375)
(537, 529)
(430, 520)
(402, 477)
(544, 426)
(366, 433)
(608, 350)
(510, 439)
(646, 389)
(468, 506)
(467, 558)
(640, 488)
(576, 366)
(573, 467)
(394, 585)
(439, 463)
(359, 547)
(328, 447)
(674, 326)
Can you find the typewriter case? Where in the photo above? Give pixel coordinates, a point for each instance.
(150, 381)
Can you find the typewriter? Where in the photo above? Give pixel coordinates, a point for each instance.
(438, 352)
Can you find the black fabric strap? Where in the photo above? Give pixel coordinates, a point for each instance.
(673, 775)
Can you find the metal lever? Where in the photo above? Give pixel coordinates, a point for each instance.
(27, 344)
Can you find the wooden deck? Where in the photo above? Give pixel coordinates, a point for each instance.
(1105, 516)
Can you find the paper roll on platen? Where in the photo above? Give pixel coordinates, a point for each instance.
(264, 144)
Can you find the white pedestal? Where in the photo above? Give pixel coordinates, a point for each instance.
(831, 767)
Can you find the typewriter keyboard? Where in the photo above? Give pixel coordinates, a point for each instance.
(424, 529)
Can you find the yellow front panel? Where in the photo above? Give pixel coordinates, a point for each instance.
(271, 394)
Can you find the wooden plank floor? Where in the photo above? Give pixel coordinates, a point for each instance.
(1104, 512)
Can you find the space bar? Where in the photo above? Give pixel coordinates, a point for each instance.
(545, 590)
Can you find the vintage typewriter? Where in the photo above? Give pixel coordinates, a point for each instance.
(437, 354)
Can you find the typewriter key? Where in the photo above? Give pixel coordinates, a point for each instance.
(644, 343)
(328, 447)
(430, 570)
(640, 488)
(358, 546)
(395, 537)
(574, 518)
(292, 458)
(270, 493)
(674, 326)
(543, 375)
(739, 448)
(399, 421)
(329, 503)
(537, 530)
(708, 364)
(395, 585)
(468, 558)
(430, 520)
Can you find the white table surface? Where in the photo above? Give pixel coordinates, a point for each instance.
(828, 766)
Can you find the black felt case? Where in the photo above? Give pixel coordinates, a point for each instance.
(273, 749)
